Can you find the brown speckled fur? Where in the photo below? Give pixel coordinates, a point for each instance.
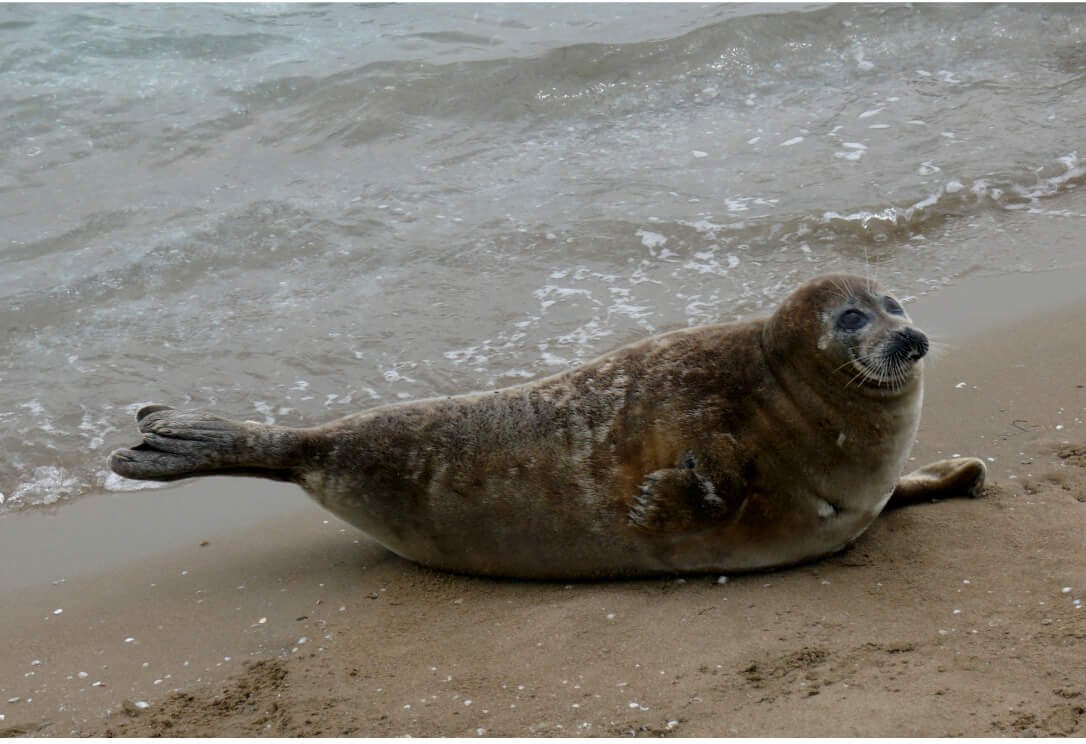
(721, 448)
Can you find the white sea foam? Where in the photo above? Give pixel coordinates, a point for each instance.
(849, 154)
(394, 375)
(707, 262)
(110, 481)
(651, 240)
(585, 334)
(703, 226)
(95, 429)
(47, 485)
(265, 408)
(41, 418)
(551, 290)
(470, 355)
(553, 360)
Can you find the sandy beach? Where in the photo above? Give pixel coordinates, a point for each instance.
(234, 607)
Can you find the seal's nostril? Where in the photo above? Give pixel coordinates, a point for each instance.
(921, 345)
(911, 343)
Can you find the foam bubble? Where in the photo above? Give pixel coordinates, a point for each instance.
(651, 240)
(110, 481)
(554, 360)
(266, 409)
(49, 484)
(392, 375)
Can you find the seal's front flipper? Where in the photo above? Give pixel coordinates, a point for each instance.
(184, 444)
(959, 477)
(677, 500)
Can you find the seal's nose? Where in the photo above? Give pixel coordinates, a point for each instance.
(910, 344)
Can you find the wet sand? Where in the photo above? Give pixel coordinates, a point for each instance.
(956, 618)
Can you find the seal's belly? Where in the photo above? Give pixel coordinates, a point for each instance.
(505, 538)
(553, 552)
(808, 528)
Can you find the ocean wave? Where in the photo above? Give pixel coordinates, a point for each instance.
(389, 206)
(955, 199)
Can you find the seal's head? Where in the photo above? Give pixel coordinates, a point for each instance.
(851, 332)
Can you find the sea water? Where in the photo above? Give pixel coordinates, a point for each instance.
(289, 213)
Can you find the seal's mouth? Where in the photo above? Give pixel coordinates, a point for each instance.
(891, 364)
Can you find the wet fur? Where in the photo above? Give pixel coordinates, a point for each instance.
(716, 448)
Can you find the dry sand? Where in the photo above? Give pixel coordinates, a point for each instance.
(956, 618)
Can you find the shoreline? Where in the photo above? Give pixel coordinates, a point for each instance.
(158, 618)
(100, 531)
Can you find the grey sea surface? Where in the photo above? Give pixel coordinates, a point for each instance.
(289, 213)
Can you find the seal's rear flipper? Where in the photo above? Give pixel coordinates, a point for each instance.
(959, 477)
(185, 444)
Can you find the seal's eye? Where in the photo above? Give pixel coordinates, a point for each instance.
(892, 306)
(852, 320)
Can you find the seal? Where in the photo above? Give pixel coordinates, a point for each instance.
(721, 448)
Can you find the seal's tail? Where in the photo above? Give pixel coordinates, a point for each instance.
(185, 444)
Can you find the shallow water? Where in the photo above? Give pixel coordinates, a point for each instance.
(289, 213)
